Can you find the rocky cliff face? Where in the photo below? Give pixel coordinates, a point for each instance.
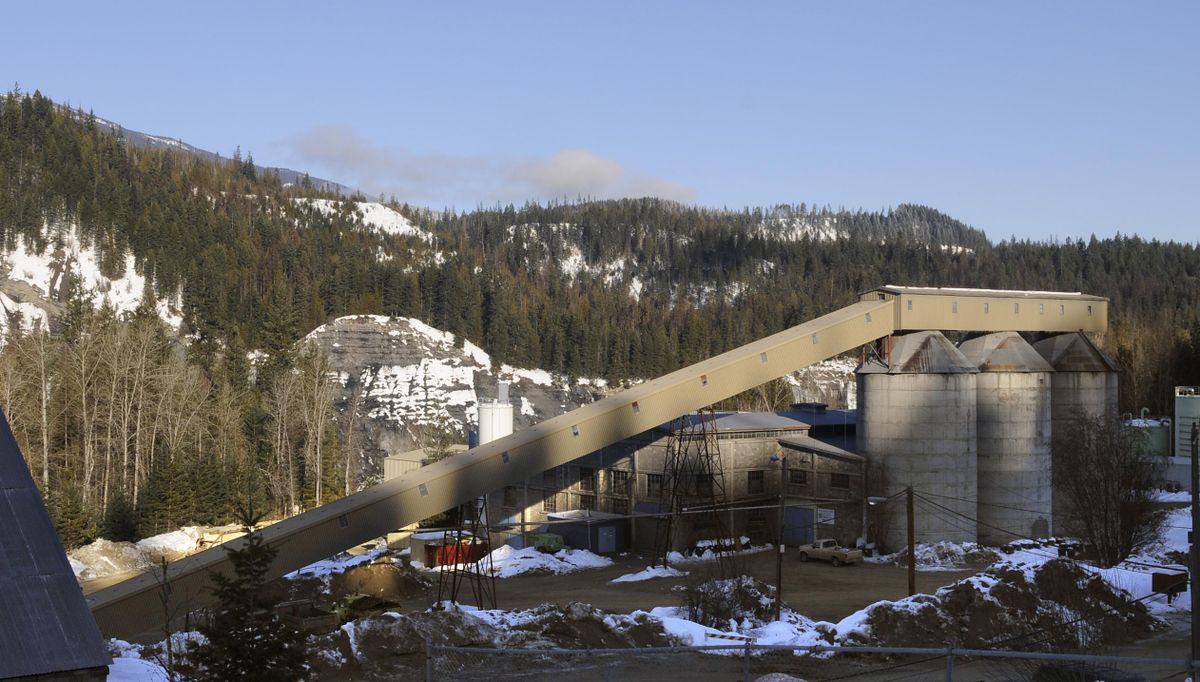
(402, 379)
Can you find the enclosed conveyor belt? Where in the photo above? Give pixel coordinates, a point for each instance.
(134, 607)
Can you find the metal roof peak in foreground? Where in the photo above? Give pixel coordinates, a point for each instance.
(45, 625)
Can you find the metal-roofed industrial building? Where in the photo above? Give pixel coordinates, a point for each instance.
(46, 629)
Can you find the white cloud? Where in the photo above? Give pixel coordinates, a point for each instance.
(438, 179)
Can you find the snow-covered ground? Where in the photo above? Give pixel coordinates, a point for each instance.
(507, 562)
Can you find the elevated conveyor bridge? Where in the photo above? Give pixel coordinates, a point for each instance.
(133, 607)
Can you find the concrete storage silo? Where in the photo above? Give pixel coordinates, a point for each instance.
(1085, 379)
(1013, 434)
(916, 424)
(1084, 383)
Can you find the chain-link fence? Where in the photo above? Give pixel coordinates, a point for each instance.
(747, 662)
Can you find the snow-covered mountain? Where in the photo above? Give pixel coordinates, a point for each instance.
(399, 375)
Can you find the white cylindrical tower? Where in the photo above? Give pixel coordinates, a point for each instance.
(495, 417)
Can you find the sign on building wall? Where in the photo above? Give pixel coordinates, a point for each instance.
(826, 517)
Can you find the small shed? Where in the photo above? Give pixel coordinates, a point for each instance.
(46, 629)
(597, 532)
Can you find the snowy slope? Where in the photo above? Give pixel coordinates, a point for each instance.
(371, 215)
(48, 272)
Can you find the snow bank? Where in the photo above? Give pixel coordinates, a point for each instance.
(178, 542)
(649, 574)
(506, 562)
(1178, 496)
(942, 556)
(105, 558)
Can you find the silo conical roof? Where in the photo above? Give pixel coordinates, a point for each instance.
(921, 353)
(1003, 352)
(1074, 352)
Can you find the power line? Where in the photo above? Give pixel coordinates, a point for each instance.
(1034, 551)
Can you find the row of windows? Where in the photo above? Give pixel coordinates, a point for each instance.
(615, 505)
(1062, 309)
(756, 480)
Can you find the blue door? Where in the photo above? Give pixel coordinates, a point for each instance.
(608, 539)
(797, 526)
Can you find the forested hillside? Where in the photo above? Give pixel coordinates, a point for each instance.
(613, 289)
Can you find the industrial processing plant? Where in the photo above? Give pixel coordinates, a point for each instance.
(966, 422)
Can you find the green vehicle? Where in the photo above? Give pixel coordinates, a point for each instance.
(546, 542)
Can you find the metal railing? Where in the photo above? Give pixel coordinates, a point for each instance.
(749, 661)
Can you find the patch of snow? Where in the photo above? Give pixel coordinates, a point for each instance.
(649, 574)
(372, 215)
(635, 288)
(126, 669)
(30, 317)
(527, 408)
(327, 568)
(181, 541)
(1168, 496)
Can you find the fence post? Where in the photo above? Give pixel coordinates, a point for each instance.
(428, 659)
(746, 662)
(950, 664)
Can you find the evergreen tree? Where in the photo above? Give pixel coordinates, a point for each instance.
(245, 638)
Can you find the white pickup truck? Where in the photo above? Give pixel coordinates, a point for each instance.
(828, 550)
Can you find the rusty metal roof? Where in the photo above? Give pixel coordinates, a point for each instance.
(925, 352)
(1074, 352)
(1003, 352)
(45, 624)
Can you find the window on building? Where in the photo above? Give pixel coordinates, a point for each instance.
(512, 495)
(550, 502)
(654, 485)
(796, 481)
(755, 481)
(587, 502)
(550, 478)
(619, 505)
(840, 481)
(618, 482)
(587, 479)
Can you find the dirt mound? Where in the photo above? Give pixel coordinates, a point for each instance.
(393, 645)
(725, 603)
(384, 580)
(580, 626)
(1056, 606)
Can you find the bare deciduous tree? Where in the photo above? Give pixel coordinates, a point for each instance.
(1108, 478)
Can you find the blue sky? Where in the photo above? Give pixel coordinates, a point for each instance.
(1037, 120)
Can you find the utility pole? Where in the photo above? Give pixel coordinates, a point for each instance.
(779, 541)
(912, 549)
(1193, 554)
